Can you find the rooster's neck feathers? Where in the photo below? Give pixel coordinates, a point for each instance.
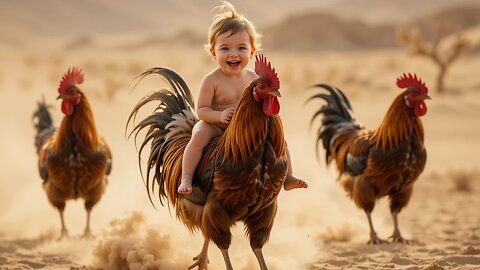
(81, 123)
(247, 129)
(397, 125)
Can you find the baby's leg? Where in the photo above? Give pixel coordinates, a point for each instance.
(202, 133)
(292, 181)
(191, 157)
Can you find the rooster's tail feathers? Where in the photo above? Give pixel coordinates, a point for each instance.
(335, 114)
(169, 126)
(179, 86)
(42, 121)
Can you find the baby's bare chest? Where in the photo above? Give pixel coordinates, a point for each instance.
(226, 97)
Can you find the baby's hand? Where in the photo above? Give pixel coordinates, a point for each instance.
(226, 115)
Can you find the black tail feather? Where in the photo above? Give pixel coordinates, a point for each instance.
(174, 102)
(42, 121)
(335, 112)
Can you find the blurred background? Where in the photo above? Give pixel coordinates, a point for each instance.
(358, 46)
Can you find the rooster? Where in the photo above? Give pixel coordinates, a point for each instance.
(73, 160)
(241, 172)
(373, 163)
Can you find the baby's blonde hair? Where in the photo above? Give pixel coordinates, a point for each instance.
(229, 20)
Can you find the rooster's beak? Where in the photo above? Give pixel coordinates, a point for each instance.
(60, 97)
(427, 97)
(275, 93)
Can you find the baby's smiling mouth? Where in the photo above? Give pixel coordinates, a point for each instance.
(233, 63)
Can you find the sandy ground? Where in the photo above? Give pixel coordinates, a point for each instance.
(316, 228)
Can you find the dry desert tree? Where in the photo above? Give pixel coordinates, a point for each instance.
(443, 57)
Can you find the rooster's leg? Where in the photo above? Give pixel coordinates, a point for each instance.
(87, 233)
(201, 260)
(397, 202)
(397, 236)
(63, 232)
(226, 258)
(259, 226)
(374, 239)
(261, 261)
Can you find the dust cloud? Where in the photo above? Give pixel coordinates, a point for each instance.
(129, 243)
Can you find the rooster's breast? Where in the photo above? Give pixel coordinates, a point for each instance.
(76, 169)
(248, 186)
(394, 170)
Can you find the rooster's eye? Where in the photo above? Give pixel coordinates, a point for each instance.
(73, 90)
(262, 86)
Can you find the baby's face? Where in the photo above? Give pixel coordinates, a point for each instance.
(233, 52)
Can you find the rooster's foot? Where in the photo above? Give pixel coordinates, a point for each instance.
(398, 238)
(375, 240)
(63, 235)
(201, 261)
(88, 235)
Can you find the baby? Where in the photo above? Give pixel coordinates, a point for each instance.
(232, 43)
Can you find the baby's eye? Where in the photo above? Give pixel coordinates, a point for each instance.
(224, 49)
(242, 48)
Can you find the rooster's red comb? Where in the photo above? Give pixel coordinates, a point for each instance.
(409, 80)
(73, 76)
(264, 69)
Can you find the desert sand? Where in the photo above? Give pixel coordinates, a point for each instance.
(315, 228)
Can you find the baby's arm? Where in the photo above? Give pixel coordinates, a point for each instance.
(205, 100)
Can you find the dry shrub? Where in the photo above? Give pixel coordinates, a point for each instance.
(91, 66)
(56, 60)
(309, 75)
(55, 76)
(112, 67)
(26, 84)
(443, 58)
(463, 179)
(31, 61)
(112, 86)
(391, 64)
(135, 68)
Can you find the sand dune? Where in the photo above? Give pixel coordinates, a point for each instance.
(311, 25)
(319, 31)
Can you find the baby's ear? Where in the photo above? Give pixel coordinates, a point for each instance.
(212, 51)
(252, 52)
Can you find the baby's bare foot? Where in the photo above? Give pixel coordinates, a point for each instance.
(293, 182)
(185, 187)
